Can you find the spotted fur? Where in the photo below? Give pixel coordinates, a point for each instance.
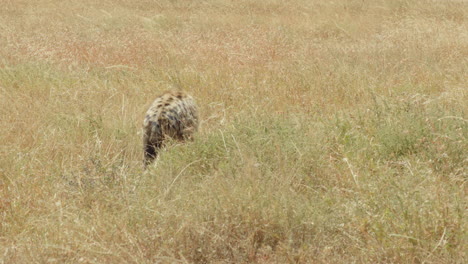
(173, 115)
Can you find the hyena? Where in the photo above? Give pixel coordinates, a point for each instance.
(173, 114)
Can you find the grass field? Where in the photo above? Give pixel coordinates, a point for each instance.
(331, 132)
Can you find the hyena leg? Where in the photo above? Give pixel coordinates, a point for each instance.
(150, 152)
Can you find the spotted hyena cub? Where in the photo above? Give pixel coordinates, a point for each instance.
(174, 115)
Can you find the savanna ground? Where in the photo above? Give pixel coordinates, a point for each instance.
(331, 132)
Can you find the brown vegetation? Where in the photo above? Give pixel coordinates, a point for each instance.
(331, 131)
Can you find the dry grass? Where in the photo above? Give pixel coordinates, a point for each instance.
(332, 132)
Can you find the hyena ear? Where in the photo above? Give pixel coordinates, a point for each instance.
(188, 133)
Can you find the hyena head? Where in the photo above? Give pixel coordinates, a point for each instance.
(172, 115)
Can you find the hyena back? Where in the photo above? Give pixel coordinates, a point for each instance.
(174, 115)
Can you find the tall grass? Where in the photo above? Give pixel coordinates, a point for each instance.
(331, 132)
